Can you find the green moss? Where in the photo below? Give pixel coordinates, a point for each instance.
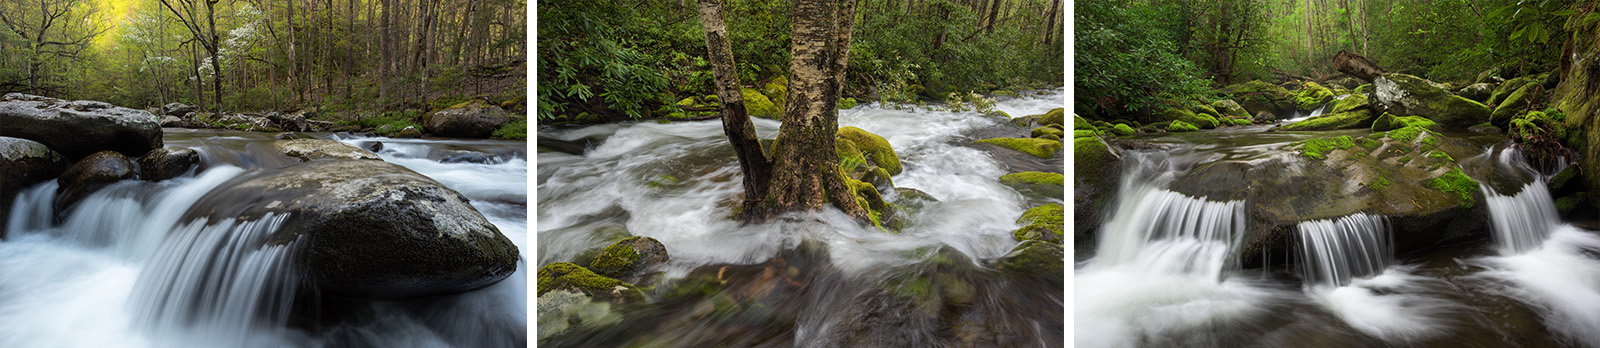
(776, 90)
(1319, 148)
(1352, 102)
(1052, 117)
(1041, 131)
(1041, 223)
(1440, 155)
(566, 275)
(757, 105)
(847, 103)
(1312, 95)
(1407, 134)
(1122, 129)
(1506, 89)
(1570, 203)
(1379, 183)
(874, 147)
(1037, 178)
(1036, 258)
(1513, 104)
(1042, 148)
(1456, 183)
(1363, 89)
(1389, 122)
(1207, 110)
(1180, 126)
(1345, 120)
(1368, 143)
(517, 129)
(616, 259)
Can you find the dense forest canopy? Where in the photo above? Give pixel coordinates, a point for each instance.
(256, 55)
(1131, 54)
(611, 60)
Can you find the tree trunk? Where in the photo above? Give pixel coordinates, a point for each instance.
(216, 61)
(806, 174)
(1050, 22)
(736, 123)
(1356, 65)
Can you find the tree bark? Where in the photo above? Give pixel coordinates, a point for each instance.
(1356, 65)
(736, 123)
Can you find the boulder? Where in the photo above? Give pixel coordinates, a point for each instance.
(176, 109)
(1505, 89)
(369, 229)
(1097, 168)
(630, 258)
(472, 119)
(1406, 95)
(1389, 122)
(1042, 184)
(1042, 148)
(1350, 103)
(1042, 223)
(1264, 117)
(1180, 126)
(90, 174)
(313, 149)
(410, 132)
(1201, 121)
(1228, 107)
(758, 105)
(1578, 98)
(1360, 118)
(77, 129)
(1478, 92)
(24, 163)
(1054, 116)
(172, 121)
(1036, 259)
(875, 148)
(463, 156)
(294, 121)
(1256, 97)
(1516, 103)
(1312, 96)
(166, 163)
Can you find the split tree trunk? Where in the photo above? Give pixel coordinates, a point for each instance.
(736, 123)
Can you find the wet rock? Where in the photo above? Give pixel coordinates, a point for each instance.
(1344, 120)
(90, 174)
(1264, 117)
(1039, 184)
(1036, 258)
(410, 132)
(1478, 92)
(24, 163)
(172, 121)
(293, 136)
(461, 156)
(77, 129)
(571, 277)
(630, 259)
(1054, 116)
(166, 163)
(1518, 102)
(1041, 148)
(313, 149)
(472, 119)
(1228, 107)
(1097, 167)
(874, 148)
(294, 121)
(1312, 96)
(1406, 95)
(1257, 97)
(370, 229)
(1042, 223)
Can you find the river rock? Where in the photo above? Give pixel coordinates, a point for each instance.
(1514, 104)
(24, 163)
(166, 163)
(1406, 95)
(370, 229)
(1228, 107)
(1035, 258)
(472, 119)
(176, 109)
(1257, 97)
(312, 149)
(629, 259)
(410, 132)
(90, 174)
(293, 121)
(77, 129)
(463, 156)
(1097, 167)
(1478, 92)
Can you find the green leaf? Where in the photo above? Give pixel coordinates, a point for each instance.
(1519, 32)
(1563, 12)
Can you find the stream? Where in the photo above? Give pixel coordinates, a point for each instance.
(809, 280)
(121, 270)
(1166, 269)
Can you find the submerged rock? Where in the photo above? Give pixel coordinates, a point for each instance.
(313, 149)
(463, 156)
(90, 174)
(166, 163)
(568, 276)
(77, 129)
(472, 119)
(371, 229)
(630, 258)
(1406, 95)
(1042, 148)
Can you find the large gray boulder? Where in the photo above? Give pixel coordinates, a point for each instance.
(370, 229)
(1406, 95)
(312, 149)
(177, 109)
(473, 119)
(79, 128)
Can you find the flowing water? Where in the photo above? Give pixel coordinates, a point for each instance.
(844, 284)
(121, 270)
(1166, 271)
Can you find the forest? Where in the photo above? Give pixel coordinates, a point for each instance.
(353, 59)
(621, 60)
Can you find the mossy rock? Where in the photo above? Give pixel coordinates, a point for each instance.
(1206, 110)
(776, 90)
(757, 105)
(1349, 103)
(1389, 122)
(1042, 148)
(1363, 89)
(1080, 123)
(1122, 129)
(874, 147)
(1230, 108)
(1360, 118)
(1407, 95)
(1049, 185)
(1201, 121)
(1507, 88)
(1097, 168)
(1312, 96)
(1055, 116)
(847, 103)
(1075, 134)
(1043, 223)
(1478, 92)
(1458, 184)
(1578, 98)
(570, 276)
(1037, 259)
(1180, 126)
(1041, 131)
(629, 258)
(1514, 104)
(1318, 148)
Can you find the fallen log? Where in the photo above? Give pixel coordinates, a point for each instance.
(1355, 65)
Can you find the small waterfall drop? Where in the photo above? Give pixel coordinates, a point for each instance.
(1161, 231)
(1334, 252)
(1545, 263)
(225, 279)
(1314, 113)
(1521, 222)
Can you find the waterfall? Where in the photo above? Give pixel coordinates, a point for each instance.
(223, 278)
(1521, 222)
(1161, 231)
(1333, 252)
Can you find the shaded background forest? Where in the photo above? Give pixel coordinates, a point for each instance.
(611, 60)
(364, 56)
(1131, 54)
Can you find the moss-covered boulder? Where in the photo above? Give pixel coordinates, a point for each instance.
(1054, 116)
(1036, 259)
(630, 258)
(1389, 122)
(1516, 103)
(1042, 184)
(1363, 89)
(1407, 95)
(1578, 98)
(1312, 96)
(1257, 96)
(1230, 108)
(1360, 118)
(1351, 103)
(1505, 89)
(875, 148)
(1478, 92)
(1202, 109)
(776, 90)
(757, 105)
(1042, 148)
(88, 175)
(369, 229)
(471, 119)
(1042, 223)
(1122, 130)
(1200, 121)
(1042, 131)
(1097, 168)
(1180, 126)
(569, 276)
